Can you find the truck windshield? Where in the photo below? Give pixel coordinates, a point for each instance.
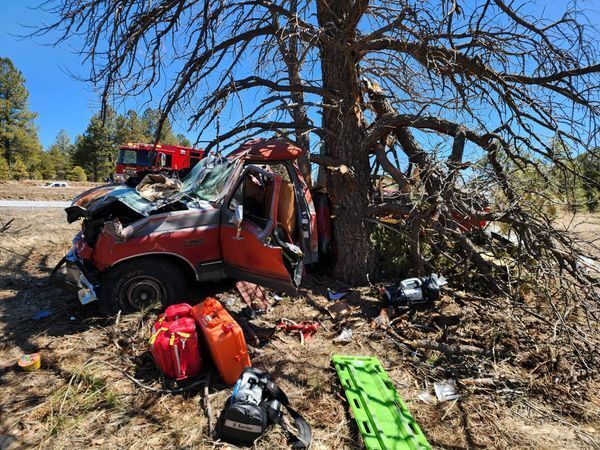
(134, 157)
(207, 179)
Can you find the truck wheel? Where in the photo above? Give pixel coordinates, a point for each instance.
(137, 284)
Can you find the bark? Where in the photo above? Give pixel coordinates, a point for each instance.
(346, 142)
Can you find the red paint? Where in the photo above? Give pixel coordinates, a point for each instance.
(174, 345)
(268, 150)
(108, 252)
(176, 156)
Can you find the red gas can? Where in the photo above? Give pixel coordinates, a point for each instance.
(174, 343)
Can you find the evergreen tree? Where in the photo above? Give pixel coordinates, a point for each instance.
(183, 140)
(77, 174)
(18, 134)
(60, 153)
(131, 128)
(4, 169)
(47, 168)
(19, 170)
(150, 119)
(95, 150)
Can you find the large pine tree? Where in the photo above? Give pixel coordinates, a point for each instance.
(18, 134)
(60, 153)
(95, 150)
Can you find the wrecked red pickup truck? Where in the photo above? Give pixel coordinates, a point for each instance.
(249, 216)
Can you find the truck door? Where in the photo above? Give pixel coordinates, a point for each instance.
(253, 247)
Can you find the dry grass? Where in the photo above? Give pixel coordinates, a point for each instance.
(34, 190)
(81, 397)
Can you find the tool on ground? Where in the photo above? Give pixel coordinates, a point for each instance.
(174, 343)
(224, 337)
(306, 328)
(383, 419)
(414, 291)
(255, 404)
(30, 363)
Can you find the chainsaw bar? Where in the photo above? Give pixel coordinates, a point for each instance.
(383, 419)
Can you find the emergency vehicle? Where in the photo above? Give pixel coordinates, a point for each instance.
(138, 157)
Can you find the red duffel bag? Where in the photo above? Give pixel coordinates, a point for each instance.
(174, 343)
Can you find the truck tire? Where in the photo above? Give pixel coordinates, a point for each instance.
(137, 284)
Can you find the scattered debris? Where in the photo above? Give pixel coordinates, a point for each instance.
(382, 320)
(345, 336)
(30, 363)
(333, 295)
(383, 419)
(253, 295)
(155, 186)
(426, 397)
(247, 327)
(446, 390)
(42, 314)
(5, 226)
(339, 310)
(229, 302)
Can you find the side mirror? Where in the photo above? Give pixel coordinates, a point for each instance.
(237, 220)
(163, 160)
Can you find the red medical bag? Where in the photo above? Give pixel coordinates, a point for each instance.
(174, 343)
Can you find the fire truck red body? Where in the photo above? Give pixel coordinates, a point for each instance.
(137, 157)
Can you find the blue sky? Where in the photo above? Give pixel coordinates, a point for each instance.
(60, 100)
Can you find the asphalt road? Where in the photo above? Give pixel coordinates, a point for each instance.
(33, 204)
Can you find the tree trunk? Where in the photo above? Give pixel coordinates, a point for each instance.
(345, 141)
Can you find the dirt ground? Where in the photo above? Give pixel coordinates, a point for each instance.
(35, 190)
(519, 386)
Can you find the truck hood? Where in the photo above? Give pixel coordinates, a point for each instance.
(203, 185)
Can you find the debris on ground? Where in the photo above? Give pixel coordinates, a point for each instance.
(446, 390)
(42, 314)
(253, 295)
(339, 310)
(333, 295)
(345, 336)
(520, 384)
(30, 363)
(382, 320)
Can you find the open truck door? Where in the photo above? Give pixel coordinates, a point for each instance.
(253, 244)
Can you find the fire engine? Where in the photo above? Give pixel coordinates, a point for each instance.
(136, 157)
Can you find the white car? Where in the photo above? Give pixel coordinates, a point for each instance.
(56, 184)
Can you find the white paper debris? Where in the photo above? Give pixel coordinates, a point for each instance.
(446, 390)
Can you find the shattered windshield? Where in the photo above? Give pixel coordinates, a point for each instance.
(208, 178)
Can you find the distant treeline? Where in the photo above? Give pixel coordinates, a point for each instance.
(90, 156)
